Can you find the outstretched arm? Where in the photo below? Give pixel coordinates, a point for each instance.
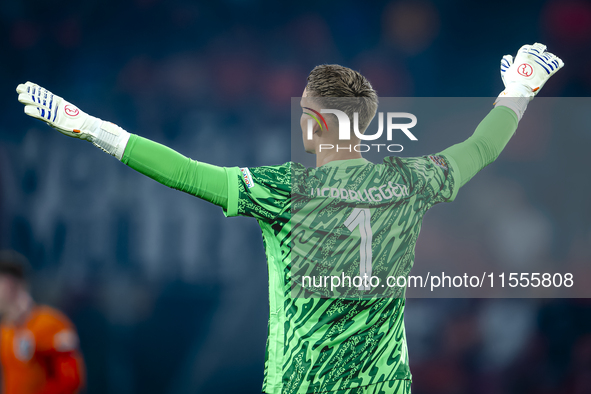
(523, 79)
(150, 158)
(177, 171)
(485, 145)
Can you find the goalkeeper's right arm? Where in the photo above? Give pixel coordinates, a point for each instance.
(150, 158)
(177, 171)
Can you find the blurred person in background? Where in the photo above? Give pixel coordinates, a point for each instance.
(38, 344)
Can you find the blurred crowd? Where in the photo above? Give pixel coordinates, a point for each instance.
(171, 297)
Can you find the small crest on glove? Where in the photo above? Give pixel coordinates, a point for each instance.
(71, 110)
(525, 69)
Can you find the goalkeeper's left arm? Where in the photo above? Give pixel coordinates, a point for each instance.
(150, 158)
(523, 79)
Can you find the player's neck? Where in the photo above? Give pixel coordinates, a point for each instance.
(20, 309)
(331, 155)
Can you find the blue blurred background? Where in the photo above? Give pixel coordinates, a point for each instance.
(168, 295)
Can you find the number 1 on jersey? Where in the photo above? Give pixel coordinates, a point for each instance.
(361, 217)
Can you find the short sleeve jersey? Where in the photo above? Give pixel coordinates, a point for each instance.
(348, 216)
(26, 349)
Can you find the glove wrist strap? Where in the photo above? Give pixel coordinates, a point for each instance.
(111, 138)
(515, 97)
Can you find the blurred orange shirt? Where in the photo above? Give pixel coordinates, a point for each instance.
(41, 356)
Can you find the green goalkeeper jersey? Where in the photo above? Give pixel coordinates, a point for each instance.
(349, 216)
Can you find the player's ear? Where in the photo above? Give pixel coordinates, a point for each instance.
(316, 129)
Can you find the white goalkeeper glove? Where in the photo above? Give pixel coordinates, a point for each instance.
(525, 75)
(70, 120)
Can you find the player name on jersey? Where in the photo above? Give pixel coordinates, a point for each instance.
(374, 194)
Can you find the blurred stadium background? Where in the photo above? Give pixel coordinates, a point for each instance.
(170, 297)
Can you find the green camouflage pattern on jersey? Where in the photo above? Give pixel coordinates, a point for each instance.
(347, 339)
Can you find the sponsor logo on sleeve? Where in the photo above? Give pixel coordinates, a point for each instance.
(439, 161)
(247, 177)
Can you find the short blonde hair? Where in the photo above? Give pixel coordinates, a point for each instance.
(333, 81)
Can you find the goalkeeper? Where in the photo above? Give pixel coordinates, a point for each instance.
(333, 345)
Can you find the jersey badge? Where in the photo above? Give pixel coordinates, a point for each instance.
(439, 161)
